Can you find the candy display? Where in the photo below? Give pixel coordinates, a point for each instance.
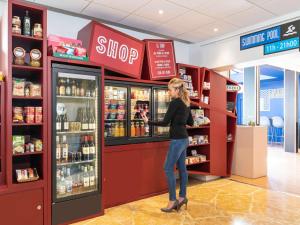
(23, 88)
(198, 139)
(188, 83)
(25, 144)
(199, 118)
(25, 175)
(27, 114)
(66, 48)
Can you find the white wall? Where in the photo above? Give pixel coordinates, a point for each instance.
(68, 26)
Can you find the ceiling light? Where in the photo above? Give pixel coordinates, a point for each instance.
(216, 29)
(160, 12)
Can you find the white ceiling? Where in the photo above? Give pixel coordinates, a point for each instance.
(189, 20)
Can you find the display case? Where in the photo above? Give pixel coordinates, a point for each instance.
(140, 102)
(161, 104)
(75, 140)
(125, 102)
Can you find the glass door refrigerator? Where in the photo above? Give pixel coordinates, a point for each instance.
(140, 102)
(75, 143)
(125, 102)
(161, 103)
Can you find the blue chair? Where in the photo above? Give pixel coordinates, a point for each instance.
(278, 124)
(265, 121)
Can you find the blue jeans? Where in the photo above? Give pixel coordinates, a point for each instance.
(176, 155)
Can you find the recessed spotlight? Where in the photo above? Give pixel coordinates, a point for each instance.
(160, 12)
(216, 29)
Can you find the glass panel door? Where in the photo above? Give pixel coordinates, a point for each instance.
(76, 134)
(115, 116)
(140, 103)
(161, 103)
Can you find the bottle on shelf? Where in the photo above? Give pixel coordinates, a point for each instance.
(88, 90)
(137, 129)
(122, 129)
(65, 149)
(92, 148)
(69, 181)
(86, 178)
(73, 88)
(68, 88)
(58, 150)
(82, 90)
(77, 89)
(117, 130)
(142, 128)
(84, 120)
(93, 90)
(61, 184)
(132, 129)
(92, 177)
(62, 87)
(79, 117)
(85, 148)
(26, 24)
(58, 123)
(65, 122)
(92, 121)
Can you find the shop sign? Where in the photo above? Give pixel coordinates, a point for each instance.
(290, 30)
(113, 49)
(161, 59)
(260, 38)
(281, 46)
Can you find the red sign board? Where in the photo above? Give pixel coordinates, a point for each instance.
(161, 59)
(113, 49)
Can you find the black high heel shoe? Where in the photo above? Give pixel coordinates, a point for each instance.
(183, 202)
(174, 207)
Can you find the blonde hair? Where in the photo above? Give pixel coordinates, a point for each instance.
(183, 92)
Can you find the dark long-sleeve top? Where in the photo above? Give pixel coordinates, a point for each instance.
(178, 116)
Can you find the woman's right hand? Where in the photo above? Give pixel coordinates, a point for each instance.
(144, 117)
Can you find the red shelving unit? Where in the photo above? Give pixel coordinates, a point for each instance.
(2, 132)
(34, 196)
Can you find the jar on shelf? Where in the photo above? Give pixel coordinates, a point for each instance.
(16, 21)
(35, 56)
(37, 30)
(16, 29)
(19, 55)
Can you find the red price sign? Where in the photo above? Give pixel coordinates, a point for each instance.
(161, 59)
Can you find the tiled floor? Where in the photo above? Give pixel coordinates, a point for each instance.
(283, 172)
(224, 202)
(221, 202)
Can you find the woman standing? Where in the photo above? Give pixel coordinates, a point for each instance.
(178, 116)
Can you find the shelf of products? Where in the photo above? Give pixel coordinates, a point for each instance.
(161, 104)
(188, 79)
(115, 114)
(27, 79)
(76, 134)
(140, 104)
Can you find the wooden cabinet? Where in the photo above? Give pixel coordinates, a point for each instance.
(132, 172)
(22, 208)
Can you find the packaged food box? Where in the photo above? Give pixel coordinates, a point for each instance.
(18, 87)
(38, 144)
(35, 89)
(38, 115)
(18, 115)
(18, 144)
